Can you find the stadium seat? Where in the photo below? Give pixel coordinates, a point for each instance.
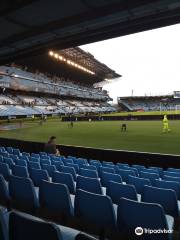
(37, 175)
(75, 166)
(125, 174)
(45, 161)
(26, 227)
(9, 150)
(166, 197)
(139, 183)
(107, 177)
(133, 169)
(89, 167)
(64, 178)
(106, 169)
(169, 178)
(177, 170)
(4, 235)
(35, 155)
(5, 171)
(57, 164)
(34, 165)
(22, 163)
(132, 214)
(172, 174)
(55, 202)
(70, 170)
(1, 159)
(168, 185)
(92, 185)
(34, 159)
(25, 154)
(24, 158)
(16, 152)
(118, 190)
(20, 171)
(49, 168)
(150, 176)
(23, 196)
(8, 161)
(4, 193)
(94, 213)
(88, 173)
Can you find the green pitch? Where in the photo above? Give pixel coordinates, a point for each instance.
(141, 135)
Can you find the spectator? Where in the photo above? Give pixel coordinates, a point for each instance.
(50, 146)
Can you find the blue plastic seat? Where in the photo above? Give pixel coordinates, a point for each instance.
(24, 158)
(89, 167)
(55, 202)
(132, 169)
(75, 166)
(3, 224)
(34, 159)
(125, 174)
(45, 161)
(34, 165)
(23, 196)
(20, 171)
(107, 177)
(26, 154)
(9, 161)
(168, 185)
(139, 183)
(57, 164)
(4, 193)
(37, 175)
(106, 169)
(5, 171)
(35, 155)
(172, 174)
(94, 213)
(64, 178)
(26, 227)
(16, 151)
(118, 190)
(1, 159)
(166, 197)
(22, 163)
(132, 214)
(49, 168)
(177, 170)
(9, 150)
(88, 173)
(70, 170)
(149, 175)
(92, 185)
(169, 178)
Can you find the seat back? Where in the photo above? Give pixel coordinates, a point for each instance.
(4, 192)
(55, 201)
(118, 190)
(88, 173)
(149, 175)
(25, 227)
(3, 224)
(166, 197)
(139, 183)
(64, 178)
(50, 169)
(20, 171)
(168, 185)
(37, 175)
(133, 214)
(70, 170)
(94, 212)
(5, 171)
(125, 174)
(107, 177)
(23, 196)
(92, 185)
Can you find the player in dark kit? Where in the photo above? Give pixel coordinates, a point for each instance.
(123, 127)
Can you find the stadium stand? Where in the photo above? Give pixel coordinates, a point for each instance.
(149, 103)
(81, 202)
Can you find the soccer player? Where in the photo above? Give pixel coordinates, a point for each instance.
(165, 124)
(123, 127)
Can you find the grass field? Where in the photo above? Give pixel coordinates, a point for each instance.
(143, 113)
(141, 135)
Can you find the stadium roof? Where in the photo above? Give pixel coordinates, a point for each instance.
(35, 26)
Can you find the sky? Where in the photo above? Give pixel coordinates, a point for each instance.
(149, 62)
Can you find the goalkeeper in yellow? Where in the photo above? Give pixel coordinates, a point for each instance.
(165, 124)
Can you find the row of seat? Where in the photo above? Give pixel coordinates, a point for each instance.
(93, 213)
